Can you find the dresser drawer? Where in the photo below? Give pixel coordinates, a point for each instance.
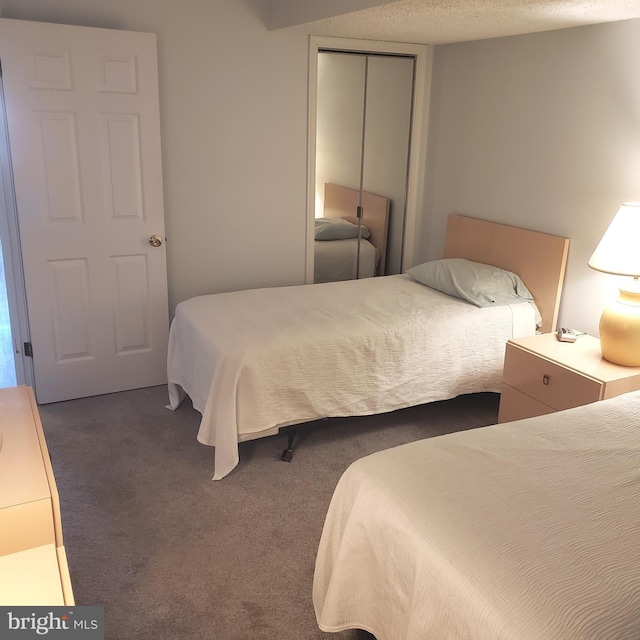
(32, 578)
(26, 525)
(548, 382)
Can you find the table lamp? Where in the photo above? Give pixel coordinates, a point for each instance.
(618, 253)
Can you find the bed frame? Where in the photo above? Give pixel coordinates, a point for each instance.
(342, 202)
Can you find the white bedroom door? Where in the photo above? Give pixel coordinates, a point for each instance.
(84, 131)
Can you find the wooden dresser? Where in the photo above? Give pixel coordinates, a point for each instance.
(33, 564)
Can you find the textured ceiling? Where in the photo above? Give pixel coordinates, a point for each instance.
(444, 21)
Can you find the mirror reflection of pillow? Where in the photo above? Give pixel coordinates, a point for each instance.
(338, 229)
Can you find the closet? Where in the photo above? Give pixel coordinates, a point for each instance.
(364, 107)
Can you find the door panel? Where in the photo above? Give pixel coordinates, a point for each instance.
(130, 304)
(70, 298)
(122, 162)
(61, 173)
(340, 119)
(386, 147)
(84, 129)
(363, 128)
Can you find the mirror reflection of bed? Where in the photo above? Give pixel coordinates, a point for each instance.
(345, 249)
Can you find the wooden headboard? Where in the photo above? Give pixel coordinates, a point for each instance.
(538, 258)
(342, 202)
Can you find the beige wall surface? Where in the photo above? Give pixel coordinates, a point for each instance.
(541, 131)
(233, 106)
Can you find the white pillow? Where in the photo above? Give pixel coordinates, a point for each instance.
(338, 229)
(480, 284)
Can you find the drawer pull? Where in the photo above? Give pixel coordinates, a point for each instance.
(545, 379)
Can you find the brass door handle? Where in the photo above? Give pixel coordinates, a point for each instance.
(155, 241)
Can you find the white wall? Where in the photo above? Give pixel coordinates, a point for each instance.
(233, 101)
(541, 131)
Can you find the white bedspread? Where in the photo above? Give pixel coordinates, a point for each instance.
(258, 359)
(523, 531)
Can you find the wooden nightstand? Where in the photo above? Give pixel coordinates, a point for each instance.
(542, 375)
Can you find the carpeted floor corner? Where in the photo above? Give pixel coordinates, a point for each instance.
(171, 554)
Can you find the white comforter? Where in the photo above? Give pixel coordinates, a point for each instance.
(258, 359)
(523, 531)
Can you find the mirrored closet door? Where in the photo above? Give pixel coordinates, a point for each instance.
(363, 126)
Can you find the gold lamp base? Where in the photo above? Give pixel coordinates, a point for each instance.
(620, 330)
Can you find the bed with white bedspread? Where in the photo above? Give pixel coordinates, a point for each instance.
(526, 530)
(322, 357)
(257, 360)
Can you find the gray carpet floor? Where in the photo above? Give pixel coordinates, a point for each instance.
(171, 554)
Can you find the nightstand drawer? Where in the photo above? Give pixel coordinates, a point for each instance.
(515, 405)
(548, 382)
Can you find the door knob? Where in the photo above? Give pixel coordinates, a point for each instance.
(155, 241)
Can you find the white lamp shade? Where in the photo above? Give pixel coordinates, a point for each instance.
(619, 250)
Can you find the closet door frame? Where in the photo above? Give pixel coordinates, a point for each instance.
(418, 136)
